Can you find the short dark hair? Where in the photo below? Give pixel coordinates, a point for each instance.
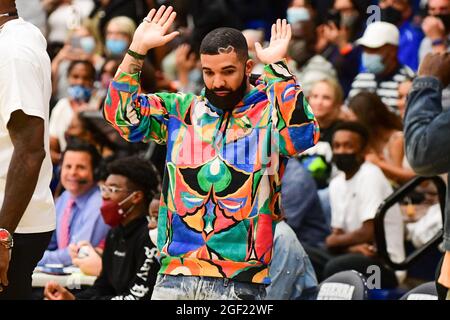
(88, 65)
(78, 145)
(140, 172)
(355, 127)
(221, 40)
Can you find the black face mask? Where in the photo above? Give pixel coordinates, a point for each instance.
(391, 15)
(229, 101)
(347, 162)
(445, 18)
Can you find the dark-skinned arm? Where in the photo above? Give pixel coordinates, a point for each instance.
(343, 240)
(27, 136)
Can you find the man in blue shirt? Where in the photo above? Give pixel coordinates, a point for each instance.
(78, 208)
(400, 13)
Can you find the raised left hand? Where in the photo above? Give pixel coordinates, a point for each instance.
(278, 46)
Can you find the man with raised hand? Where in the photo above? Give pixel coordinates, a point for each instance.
(226, 154)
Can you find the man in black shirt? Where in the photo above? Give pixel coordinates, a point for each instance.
(129, 265)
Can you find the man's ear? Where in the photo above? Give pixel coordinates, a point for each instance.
(138, 197)
(249, 67)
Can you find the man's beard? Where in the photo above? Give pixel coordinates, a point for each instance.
(229, 101)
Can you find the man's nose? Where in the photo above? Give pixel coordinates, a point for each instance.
(218, 83)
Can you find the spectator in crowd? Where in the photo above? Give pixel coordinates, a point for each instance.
(78, 208)
(215, 247)
(353, 208)
(383, 71)
(426, 137)
(307, 65)
(291, 271)
(80, 45)
(436, 27)
(326, 99)
(189, 73)
(400, 14)
(81, 75)
(118, 36)
(253, 36)
(27, 212)
(64, 16)
(336, 37)
(128, 266)
(105, 10)
(385, 147)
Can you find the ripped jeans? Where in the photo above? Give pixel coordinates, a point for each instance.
(168, 287)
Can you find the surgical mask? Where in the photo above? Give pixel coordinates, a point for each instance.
(229, 101)
(113, 213)
(391, 15)
(373, 63)
(116, 47)
(295, 14)
(87, 44)
(347, 162)
(79, 93)
(154, 236)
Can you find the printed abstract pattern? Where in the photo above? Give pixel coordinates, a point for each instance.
(223, 169)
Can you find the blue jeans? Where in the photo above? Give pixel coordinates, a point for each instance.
(169, 287)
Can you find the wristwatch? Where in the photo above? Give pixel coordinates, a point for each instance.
(6, 239)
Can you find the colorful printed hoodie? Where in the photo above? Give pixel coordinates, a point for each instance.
(222, 180)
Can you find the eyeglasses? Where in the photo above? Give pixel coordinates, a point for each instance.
(111, 189)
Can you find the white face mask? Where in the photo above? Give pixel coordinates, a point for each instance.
(154, 236)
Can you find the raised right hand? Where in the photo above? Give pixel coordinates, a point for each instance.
(436, 65)
(151, 33)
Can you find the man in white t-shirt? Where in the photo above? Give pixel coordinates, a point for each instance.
(355, 196)
(27, 213)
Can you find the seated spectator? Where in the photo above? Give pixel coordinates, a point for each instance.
(118, 35)
(304, 62)
(353, 208)
(254, 36)
(344, 24)
(128, 265)
(326, 99)
(386, 148)
(291, 271)
(383, 71)
(400, 14)
(81, 76)
(80, 45)
(436, 27)
(78, 208)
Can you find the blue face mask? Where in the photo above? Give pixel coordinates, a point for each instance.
(87, 44)
(295, 14)
(373, 62)
(116, 47)
(80, 93)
